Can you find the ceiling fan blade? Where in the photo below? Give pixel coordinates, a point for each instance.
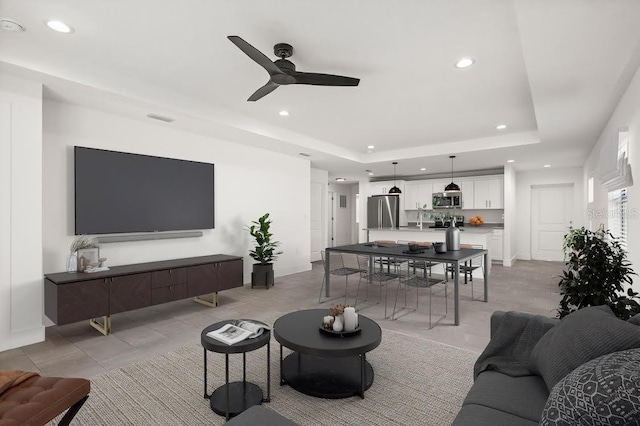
(263, 91)
(256, 55)
(324, 79)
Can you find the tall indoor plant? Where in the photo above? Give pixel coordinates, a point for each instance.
(597, 270)
(264, 252)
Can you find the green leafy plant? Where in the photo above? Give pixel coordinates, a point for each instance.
(83, 242)
(264, 252)
(597, 270)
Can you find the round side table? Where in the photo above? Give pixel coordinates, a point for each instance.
(233, 398)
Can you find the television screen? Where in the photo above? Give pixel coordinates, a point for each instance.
(118, 192)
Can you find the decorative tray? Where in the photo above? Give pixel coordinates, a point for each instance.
(414, 252)
(340, 333)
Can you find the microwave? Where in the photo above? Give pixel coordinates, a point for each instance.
(447, 200)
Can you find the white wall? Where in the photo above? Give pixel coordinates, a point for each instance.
(248, 183)
(627, 113)
(20, 213)
(511, 219)
(318, 213)
(524, 181)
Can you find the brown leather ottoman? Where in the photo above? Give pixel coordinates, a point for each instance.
(39, 400)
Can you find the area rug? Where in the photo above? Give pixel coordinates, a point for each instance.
(417, 382)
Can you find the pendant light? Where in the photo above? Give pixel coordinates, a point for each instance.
(395, 189)
(452, 186)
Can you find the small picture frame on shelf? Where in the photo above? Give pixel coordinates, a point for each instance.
(88, 256)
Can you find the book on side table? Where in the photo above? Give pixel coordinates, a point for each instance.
(239, 330)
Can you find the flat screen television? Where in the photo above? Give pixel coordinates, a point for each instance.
(119, 192)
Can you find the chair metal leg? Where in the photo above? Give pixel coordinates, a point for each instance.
(71, 412)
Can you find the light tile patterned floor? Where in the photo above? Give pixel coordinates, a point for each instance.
(78, 350)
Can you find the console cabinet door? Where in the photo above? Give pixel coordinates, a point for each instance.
(202, 279)
(82, 300)
(168, 293)
(129, 292)
(229, 274)
(167, 277)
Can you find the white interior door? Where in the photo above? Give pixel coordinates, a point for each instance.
(551, 219)
(316, 220)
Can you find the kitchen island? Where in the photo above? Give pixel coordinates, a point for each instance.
(476, 236)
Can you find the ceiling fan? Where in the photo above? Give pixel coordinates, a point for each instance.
(282, 71)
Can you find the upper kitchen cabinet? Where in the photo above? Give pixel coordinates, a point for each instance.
(417, 195)
(466, 187)
(488, 193)
(383, 187)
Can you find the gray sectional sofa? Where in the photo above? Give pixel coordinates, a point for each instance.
(583, 369)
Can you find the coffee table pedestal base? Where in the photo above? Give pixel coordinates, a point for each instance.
(242, 395)
(330, 378)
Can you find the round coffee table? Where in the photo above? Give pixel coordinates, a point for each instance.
(233, 398)
(324, 365)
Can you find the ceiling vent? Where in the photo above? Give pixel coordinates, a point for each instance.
(161, 118)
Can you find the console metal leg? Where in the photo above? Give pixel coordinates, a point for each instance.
(205, 302)
(103, 327)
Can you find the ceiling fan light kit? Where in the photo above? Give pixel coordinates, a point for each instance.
(283, 72)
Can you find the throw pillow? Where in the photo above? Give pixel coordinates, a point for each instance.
(580, 337)
(603, 391)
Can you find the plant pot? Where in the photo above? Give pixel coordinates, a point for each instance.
(262, 275)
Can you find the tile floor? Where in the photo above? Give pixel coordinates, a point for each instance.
(79, 350)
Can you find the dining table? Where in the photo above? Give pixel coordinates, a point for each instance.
(455, 258)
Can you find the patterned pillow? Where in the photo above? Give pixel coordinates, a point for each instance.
(603, 391)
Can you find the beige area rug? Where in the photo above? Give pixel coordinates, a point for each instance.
(417, 382)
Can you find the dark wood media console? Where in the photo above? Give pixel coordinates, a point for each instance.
(77, 296)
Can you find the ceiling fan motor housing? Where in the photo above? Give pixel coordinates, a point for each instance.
(283, 50)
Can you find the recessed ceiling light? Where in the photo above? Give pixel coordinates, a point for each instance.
(370, 172)
(11, 25)
(422, 169)
(501, 126)
(511, 161)
(59, 26)
(370, 147)
(340, 179)
(464, 63)
(284, 113)
(547, 166)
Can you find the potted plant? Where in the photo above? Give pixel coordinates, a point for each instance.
(264, 252)
(597, 269)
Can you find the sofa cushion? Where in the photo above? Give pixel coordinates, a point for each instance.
(259, 415)
(580, 337)
(634, 319)
(479, 415)
(605, 390)
(523, 396)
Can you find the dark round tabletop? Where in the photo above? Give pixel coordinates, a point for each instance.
(246, 345)
(300, 332)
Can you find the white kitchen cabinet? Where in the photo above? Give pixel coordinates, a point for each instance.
(488, 193)
(466, 187)
(383, 187)
(417, 195)
(495, 245)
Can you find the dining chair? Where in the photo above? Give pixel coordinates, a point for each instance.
(337, 268)
(418, 277)
(469, 266)
(389, 263)
(372, 276)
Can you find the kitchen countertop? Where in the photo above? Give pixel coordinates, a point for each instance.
(467, 229)
(466, 225)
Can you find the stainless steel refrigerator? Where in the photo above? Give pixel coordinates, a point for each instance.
(383, 211)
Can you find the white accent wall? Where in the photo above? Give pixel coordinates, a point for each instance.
(21, 292)
(36, 198)
(552, 176)
(627, 113)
